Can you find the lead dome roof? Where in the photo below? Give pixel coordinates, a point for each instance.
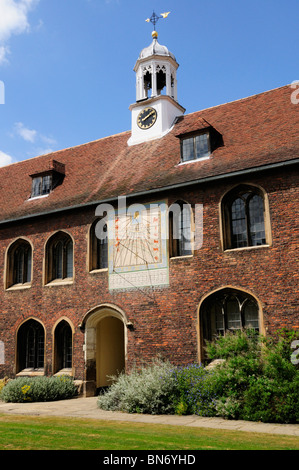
(155, 48)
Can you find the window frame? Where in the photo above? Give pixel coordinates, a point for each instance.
(222, 299)
(177, 247)
(226, 217)
(44, 189)
(98, 250)
(12, 270)
(206, 326)
(51, 263)
(193, 138)
(23, 366)
(63, 331)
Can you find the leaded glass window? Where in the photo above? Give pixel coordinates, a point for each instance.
(31, 346)
(63, 346)
(99, 248)
(19, 263)
(41, 185)
(60, 257)
(256, 220)
(228, 310)
(22, 264)
(180, 232)
(195, 147)
(244, 218)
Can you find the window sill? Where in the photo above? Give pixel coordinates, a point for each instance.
(19, 287)
(96, 271)
(60, 282)
(62, 372)
(181, 257)
(31, 373)
(247, 248)
(33, 198)
(201, 159)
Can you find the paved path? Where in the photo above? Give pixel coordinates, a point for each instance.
(87, 408)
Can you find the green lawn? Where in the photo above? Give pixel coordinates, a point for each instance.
(49, 433)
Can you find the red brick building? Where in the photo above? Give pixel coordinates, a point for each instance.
(76, 304)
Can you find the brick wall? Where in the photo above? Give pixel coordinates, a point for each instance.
(165, 319)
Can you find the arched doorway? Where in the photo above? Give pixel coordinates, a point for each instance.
(105, 346)
(110, 352)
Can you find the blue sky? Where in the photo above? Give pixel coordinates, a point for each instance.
(67, 65)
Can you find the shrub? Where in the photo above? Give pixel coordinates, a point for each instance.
(194, 391)
(257, 382)
(38, 389)
(185, 379)
(233, 344)
(276, 356)
(148, 390)
(229, 407)
(272, 402)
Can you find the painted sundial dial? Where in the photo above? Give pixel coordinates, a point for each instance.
(138, 248)
(137, 239)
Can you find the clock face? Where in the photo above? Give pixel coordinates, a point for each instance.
(147, 118)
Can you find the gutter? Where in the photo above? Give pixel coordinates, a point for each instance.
(207, 179)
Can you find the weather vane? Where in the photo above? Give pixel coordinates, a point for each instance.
(155, 18)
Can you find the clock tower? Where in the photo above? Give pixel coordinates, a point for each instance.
(156, 107)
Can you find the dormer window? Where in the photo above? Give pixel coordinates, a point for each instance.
(198, 140)
(41, 185)
(195, 147)
(47, 179)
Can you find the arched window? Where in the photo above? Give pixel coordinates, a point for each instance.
(19, 262)
(63, 347)
(30, 345)
(243, 213)
(98, 243)
(180, 232)
(59, 257)
(228, 310)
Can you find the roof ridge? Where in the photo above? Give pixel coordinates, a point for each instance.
(239, 99)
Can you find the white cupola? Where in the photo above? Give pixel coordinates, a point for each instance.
(156, 106)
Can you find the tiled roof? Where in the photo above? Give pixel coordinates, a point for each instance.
(259, 130)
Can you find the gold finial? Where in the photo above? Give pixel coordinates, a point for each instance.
(154, 34)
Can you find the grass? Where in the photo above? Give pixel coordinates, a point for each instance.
(51, 433)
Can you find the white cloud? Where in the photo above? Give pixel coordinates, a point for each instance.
(27, 134)
(47, 145)
(42, 144)
(5, 159)
(48, 140)
(4, 51)
(13, 20)
(42, 151)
